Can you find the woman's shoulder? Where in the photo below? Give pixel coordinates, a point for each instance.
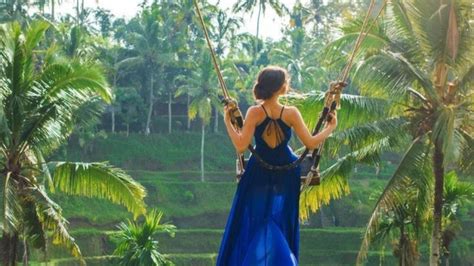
(255, 111)
(291, 110)
(257, 108)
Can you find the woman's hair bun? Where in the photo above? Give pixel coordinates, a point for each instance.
(269, 81)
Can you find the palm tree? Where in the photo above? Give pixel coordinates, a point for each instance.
(404, 226)
(136, 245)
(224, 31)
(150, 53)
(456, 195)
(297, 52)
(13, 10)
(199, 85)
(249, 5)
(420, 58)
(41, 93)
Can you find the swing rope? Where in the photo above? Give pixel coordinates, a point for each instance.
(331, 101)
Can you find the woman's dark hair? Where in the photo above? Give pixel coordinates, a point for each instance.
(269, 80)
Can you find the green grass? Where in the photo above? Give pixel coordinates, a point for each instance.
(178, 151)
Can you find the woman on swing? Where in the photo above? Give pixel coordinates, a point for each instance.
(262, 227)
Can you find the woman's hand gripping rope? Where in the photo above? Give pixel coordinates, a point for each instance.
(232, 114)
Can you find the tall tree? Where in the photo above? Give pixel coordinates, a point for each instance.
(41, 95)
(297, 52)
(150, 54)
(421, 61)
(223, 32)
(200, 85)
(250, 5)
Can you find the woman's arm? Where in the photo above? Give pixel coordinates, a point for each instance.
(242, 139)
(311, 142)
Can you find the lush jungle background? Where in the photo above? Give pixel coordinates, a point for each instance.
(113, 149)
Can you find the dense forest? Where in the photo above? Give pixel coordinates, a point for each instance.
(138, 101)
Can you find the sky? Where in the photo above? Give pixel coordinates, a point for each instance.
(271, 24)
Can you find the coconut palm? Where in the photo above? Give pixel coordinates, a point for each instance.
(204, 95)
(420, 58)
(405, 227)
(150, 53)
(136, 243)
(14, 10)
(249, 5)
(41, 94)
(297, 52)
(224, 31)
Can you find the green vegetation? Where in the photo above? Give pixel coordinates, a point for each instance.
(135, 242)
(86, 92)
(38, 109)
(421, 65)
(189, 203)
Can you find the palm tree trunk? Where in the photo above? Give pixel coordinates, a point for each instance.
(113, 107)
(53, 2)
(188, 125)
(8, 249)
(128, 129)
(113, 119)
(203, 132)
(78, 12)
(256, 35)
(216, 120)
(438, 168)
(5, 249)
(150, 107)
(321, 216)
(169, 114)
(401, 247)
(25, 253)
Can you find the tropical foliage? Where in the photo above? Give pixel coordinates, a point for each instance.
(419, 60)
(40, 106)
(136, 243)
(410, 93)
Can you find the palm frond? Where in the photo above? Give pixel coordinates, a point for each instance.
(35, 34)
(364, 134)
(465, 162)
(51, 218)
(414, 167)
(354, 109)
(336, 53)
(11, 210)
(334, 182)
(388, 75)
(79, 76)
(456, 192)
(100, 180)
(334, 185)
(32, 228)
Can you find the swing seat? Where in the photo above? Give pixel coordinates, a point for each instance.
(306, 171)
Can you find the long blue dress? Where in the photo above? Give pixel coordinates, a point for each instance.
(262, 227)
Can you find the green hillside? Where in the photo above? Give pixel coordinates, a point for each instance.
(199, 209)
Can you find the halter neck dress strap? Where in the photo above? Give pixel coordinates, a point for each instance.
(281, 112)
(265, 110)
